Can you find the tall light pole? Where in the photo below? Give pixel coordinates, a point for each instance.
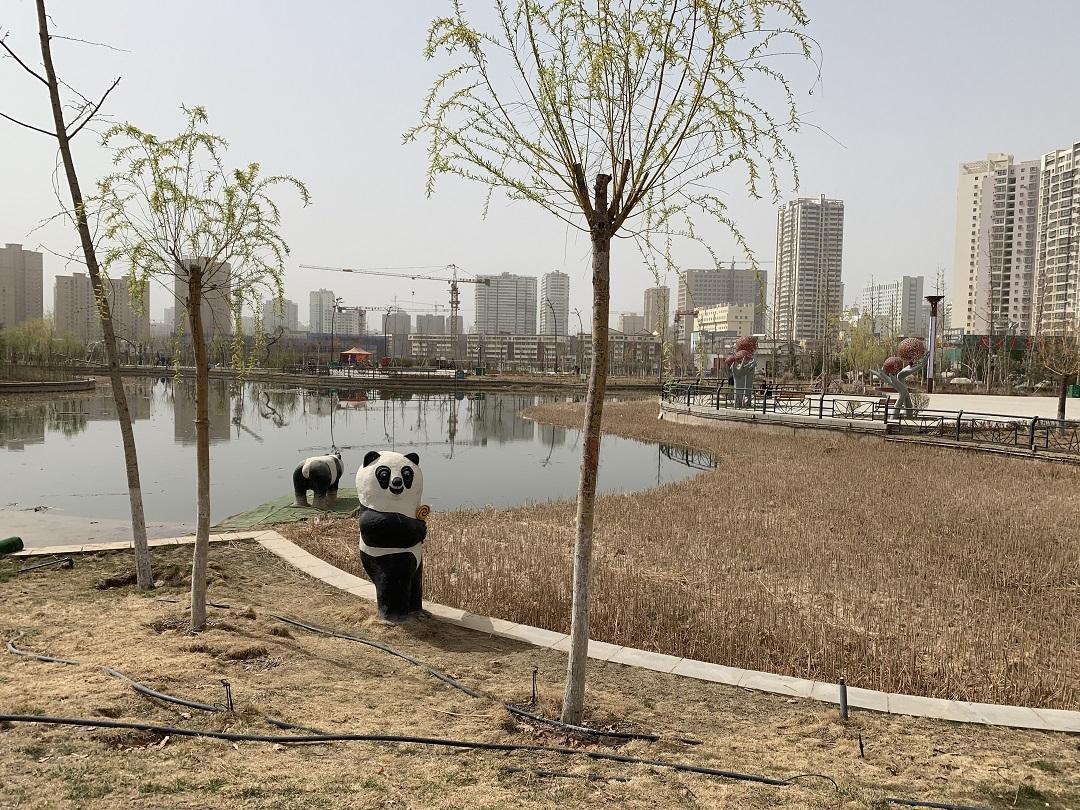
(333, 312)
(580, 332)
(931, 363)
(555, 329)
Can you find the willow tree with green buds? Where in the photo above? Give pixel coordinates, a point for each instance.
(619, 118)
(175, 214)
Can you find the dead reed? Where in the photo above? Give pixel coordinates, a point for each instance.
(902, 568)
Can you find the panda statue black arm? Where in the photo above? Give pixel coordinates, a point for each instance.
(390, 530)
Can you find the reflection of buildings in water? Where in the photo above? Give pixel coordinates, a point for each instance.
(70, 416)
(497, 418)
(101, 406)
(22, 426)
(552, 436)
(320, 403)
(184, 412)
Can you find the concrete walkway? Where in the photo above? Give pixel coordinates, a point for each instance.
(912, 705)
(1007, 406)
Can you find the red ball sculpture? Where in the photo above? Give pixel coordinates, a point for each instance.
(911, 349)
(747, 344)
(730, 360)
(893, 365)
(742, 355)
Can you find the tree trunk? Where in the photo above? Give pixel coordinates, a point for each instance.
(1063, 393)
(574, 695)
(143, 572)
(202, 449)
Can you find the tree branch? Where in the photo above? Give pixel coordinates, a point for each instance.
(94, 111)
(23, 64)
(28, 126)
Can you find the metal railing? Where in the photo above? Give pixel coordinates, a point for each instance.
(784, 400)
(1031, 433)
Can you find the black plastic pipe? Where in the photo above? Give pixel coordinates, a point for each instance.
(146, 690)
(11, 648)
(682, 767)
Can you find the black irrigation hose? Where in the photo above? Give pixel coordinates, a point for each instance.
(682, 767)
(591, 777)
(285, 724)
(64, 562)
(468, 690)
(11, 648)
(146, 690)
(937, 805)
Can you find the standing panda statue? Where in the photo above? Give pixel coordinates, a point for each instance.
(390, 488)
(321, 474)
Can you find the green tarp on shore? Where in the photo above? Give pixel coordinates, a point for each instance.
(281, 510)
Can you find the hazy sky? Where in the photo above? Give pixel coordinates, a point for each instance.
(323, 91)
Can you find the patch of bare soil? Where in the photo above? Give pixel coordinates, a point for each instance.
(335, 685)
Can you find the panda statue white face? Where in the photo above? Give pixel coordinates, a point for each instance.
(390, 482)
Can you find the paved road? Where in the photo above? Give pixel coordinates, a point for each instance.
(1009, 406)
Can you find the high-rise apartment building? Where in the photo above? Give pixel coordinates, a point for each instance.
(397, 324)
(321, 311)
(808, 291)
(350, 322)
(21, 286)
(75, 311)
(1056, 298)
(707, 287)
(630, 323)
(897, 307)
(216, 309)
(728, 320)
(994, 260)
(285, 315)
(506, 305)
(554, 318)
(657, 309)
(431, 324)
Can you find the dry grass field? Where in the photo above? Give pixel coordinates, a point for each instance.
(337, 686)
(902, 568)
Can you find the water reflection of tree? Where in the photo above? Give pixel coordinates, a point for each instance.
(498, 417)
(21, 426)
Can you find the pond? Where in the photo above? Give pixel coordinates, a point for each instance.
(475, 449)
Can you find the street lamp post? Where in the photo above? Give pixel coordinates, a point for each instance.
(333, 313)
(580, 332)
(931, 362)
(555, 329)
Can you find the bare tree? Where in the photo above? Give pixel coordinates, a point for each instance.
(1059, 355)
(174, 213)
(653, 102)
(64, 131)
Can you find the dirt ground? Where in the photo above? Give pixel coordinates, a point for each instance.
(336, 685)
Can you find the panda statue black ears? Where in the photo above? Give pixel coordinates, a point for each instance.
(390, 487)
(371, 455)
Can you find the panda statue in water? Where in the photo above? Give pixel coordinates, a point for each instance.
(390, 487)
(321, 474)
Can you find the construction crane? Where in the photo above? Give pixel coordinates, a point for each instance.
(395, 272)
